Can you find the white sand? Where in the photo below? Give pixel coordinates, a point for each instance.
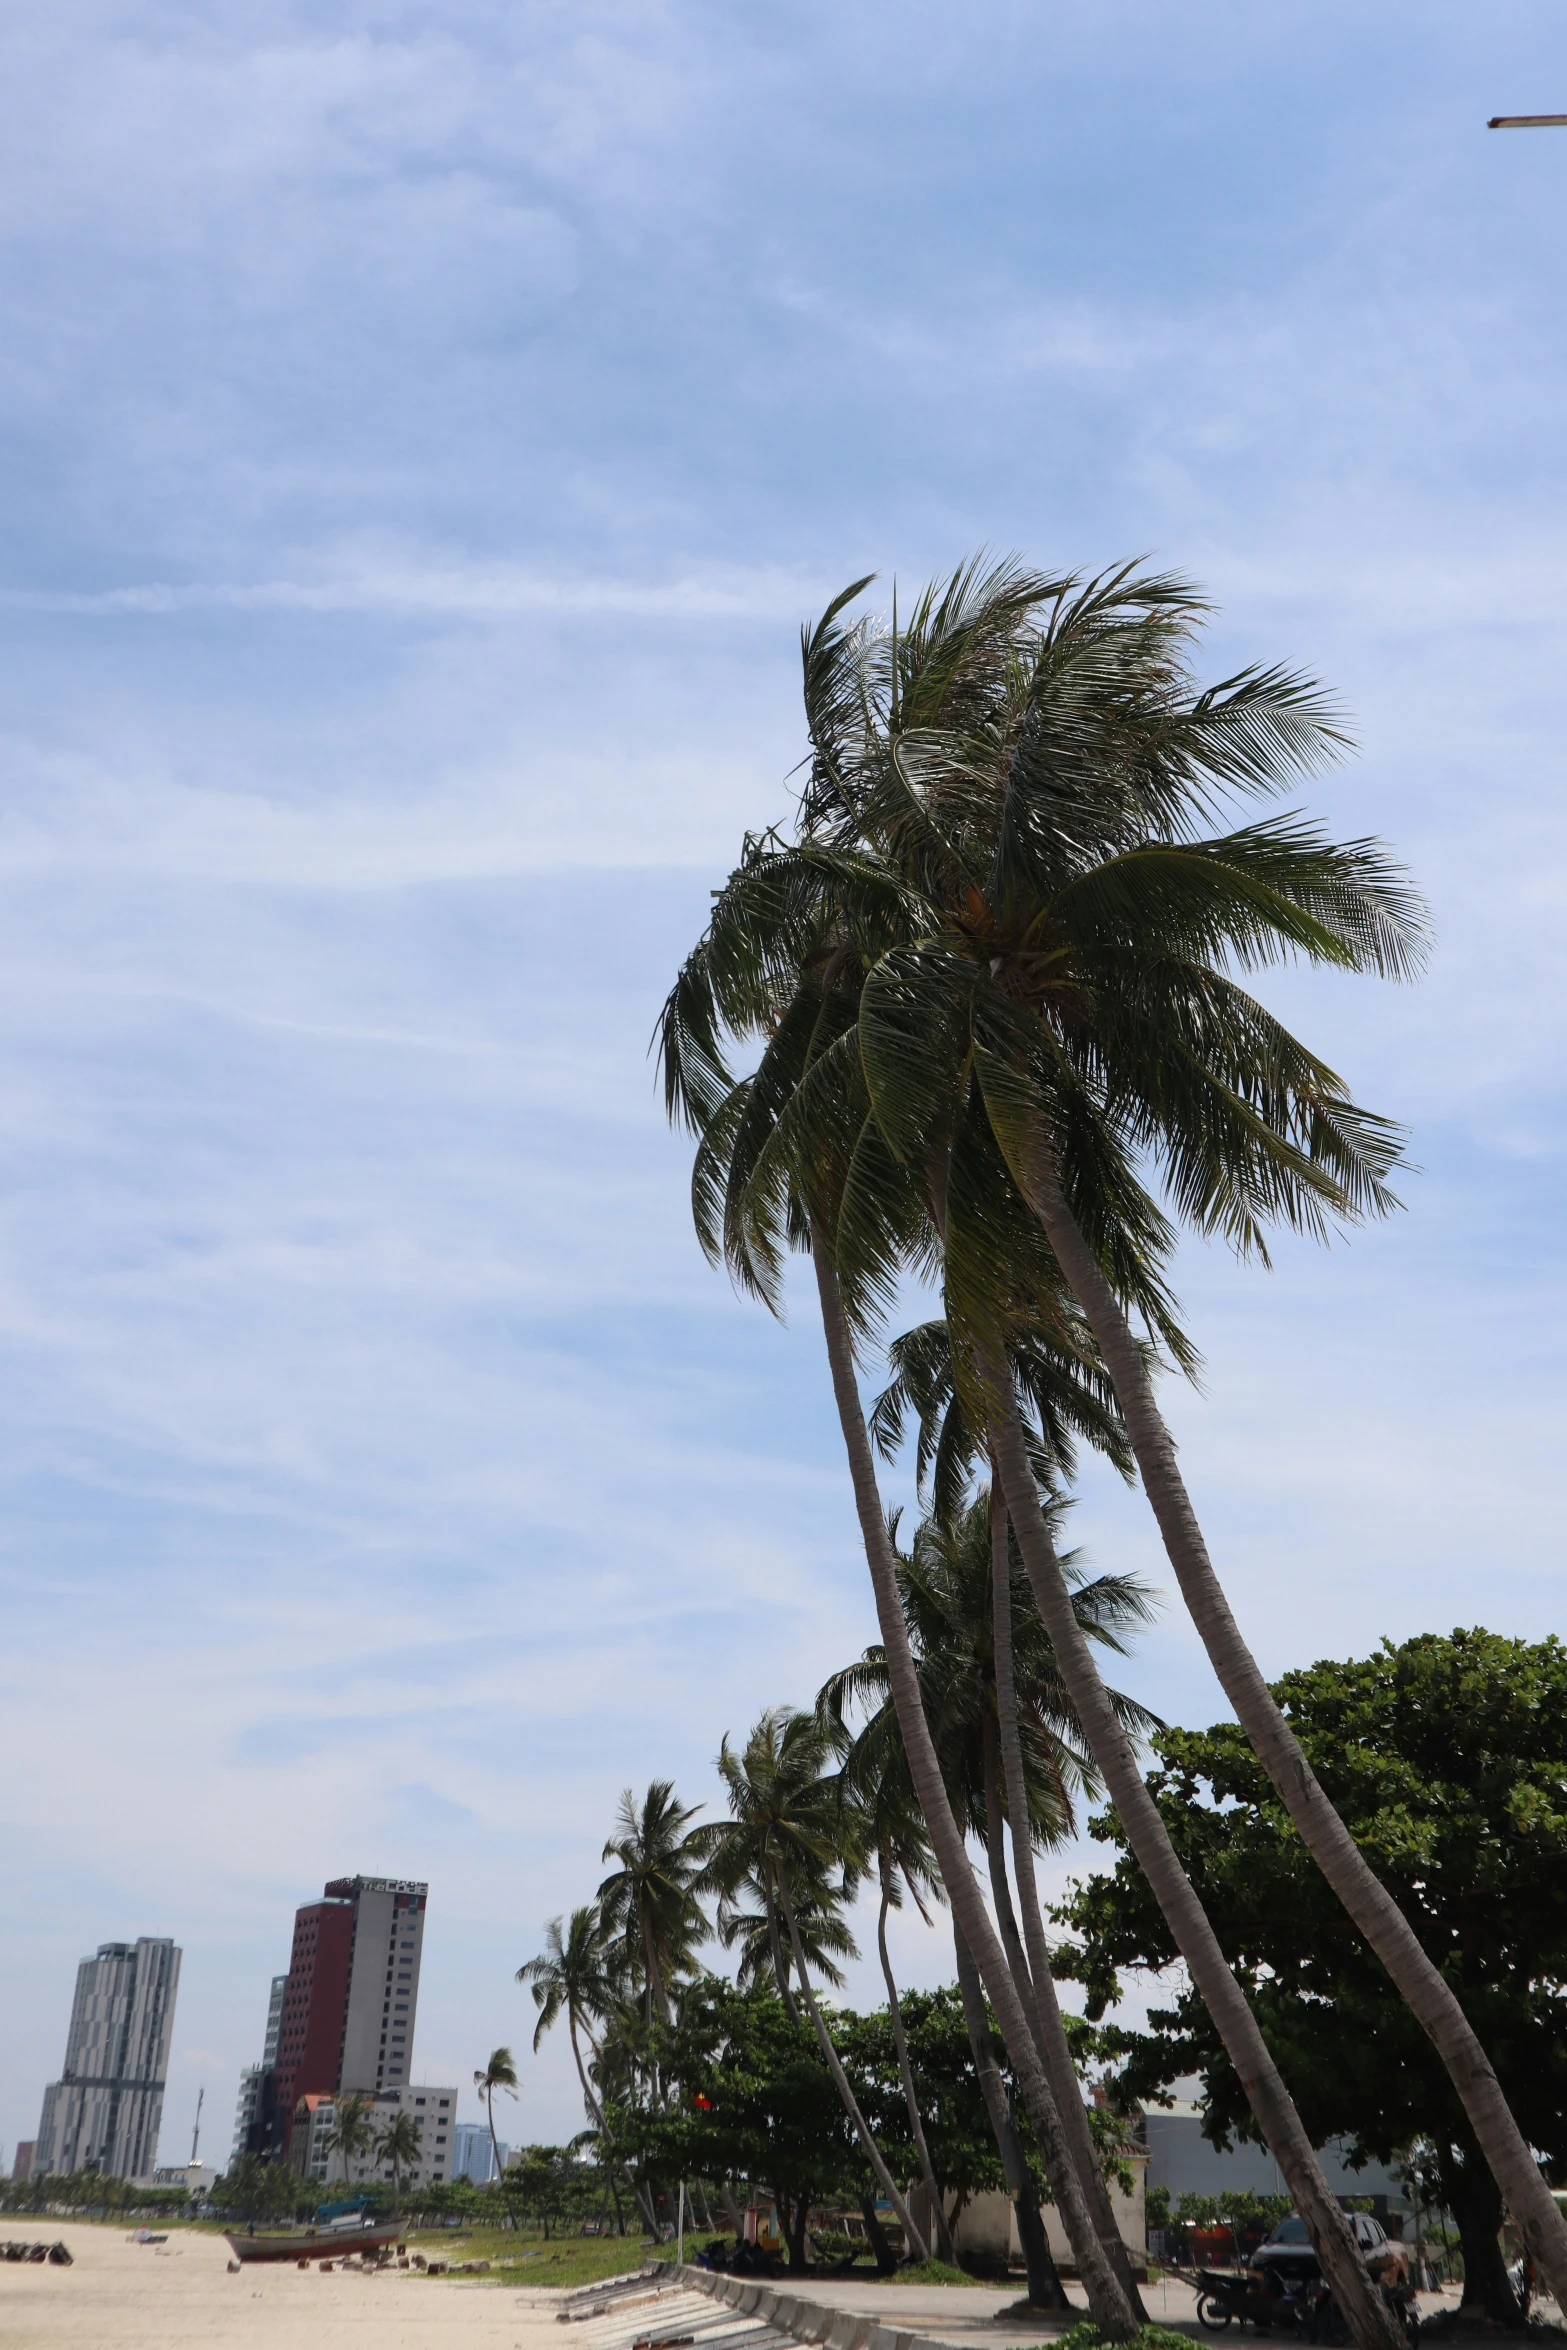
(179, 2296)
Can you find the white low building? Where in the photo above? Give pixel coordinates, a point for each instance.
(434, 2112)
(985, 2227)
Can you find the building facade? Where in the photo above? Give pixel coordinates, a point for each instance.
(105, 2111)
(315, 2117)
(258, 2127)
(22, 2167)
(1184, 2162)
(473, 2156)
(342, 2018)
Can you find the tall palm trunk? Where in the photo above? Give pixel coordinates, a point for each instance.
(1045, 2289)
(655, 1979)
(1365, 2312)
(1053, 2046)
(1107, 2302)
(906, 2071)
(1369, 1903)
(775, 1944)
(489, 2115)
(851, 2104)
(597, 2111)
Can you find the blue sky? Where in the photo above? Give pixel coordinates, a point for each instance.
(424, 430)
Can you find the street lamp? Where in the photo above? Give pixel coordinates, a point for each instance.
(1526, 122)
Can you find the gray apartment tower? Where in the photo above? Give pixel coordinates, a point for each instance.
(105, 2110)
(257, 2128)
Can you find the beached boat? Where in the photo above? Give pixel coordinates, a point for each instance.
(332, 2242)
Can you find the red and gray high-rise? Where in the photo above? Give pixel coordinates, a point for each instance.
(353, 1989)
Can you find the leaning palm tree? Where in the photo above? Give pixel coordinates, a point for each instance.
(648, 1900)
(755, 1935)
(570, 1978)
(574, 1977)
(499, 2073)
(949, 1445)
(397, 2142)
(1040, 773)
(791, 1156)
(754, 1194)
(890, 1833)
(989, 1678)
(784, 1840)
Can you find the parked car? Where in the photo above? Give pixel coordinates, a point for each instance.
(1287, 2254)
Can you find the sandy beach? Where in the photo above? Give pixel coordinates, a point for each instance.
(179, 2296)
(121, 2295)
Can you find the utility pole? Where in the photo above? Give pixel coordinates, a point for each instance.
(1526, 122)
(195, 2136)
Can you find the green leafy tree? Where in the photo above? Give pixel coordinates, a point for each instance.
(1448, 1758)
(257, 2189)
(756, 2103)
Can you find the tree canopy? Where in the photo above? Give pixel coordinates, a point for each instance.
(1448, 1759)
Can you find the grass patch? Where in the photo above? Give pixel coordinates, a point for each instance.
(1085, 2335)
(938, 2272)
(520, 2256)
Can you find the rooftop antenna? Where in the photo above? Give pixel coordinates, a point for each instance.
(195, 2136)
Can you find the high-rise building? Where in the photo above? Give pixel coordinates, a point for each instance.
(258, 2126)
(473, 2156)
(22, 2167)
(352, 1991)
(105, 2110)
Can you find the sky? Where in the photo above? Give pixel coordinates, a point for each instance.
(424, 431)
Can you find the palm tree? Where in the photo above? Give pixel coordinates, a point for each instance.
(573, 1977)
(751, 1198)
(397, 2143)
(1065, 1400)
(891, 1834)
(783, 1839)
(1041, 777)
(757, 1938)
(569, 1978)
(970, 1691)
(649, 1899)
(352, 2130)
(790, 1157)
(499, 2073)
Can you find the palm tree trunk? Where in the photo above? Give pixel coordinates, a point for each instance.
(1045, 2289)
(1054, 2051)
(495, 2144)
(1367, 1899)
(597, 2111)
(655, 1979)
(1365, 2312)
(1107, 2303)
(1063, 2074)
(910, 2096)
(775, 1943)
(851, 2104)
